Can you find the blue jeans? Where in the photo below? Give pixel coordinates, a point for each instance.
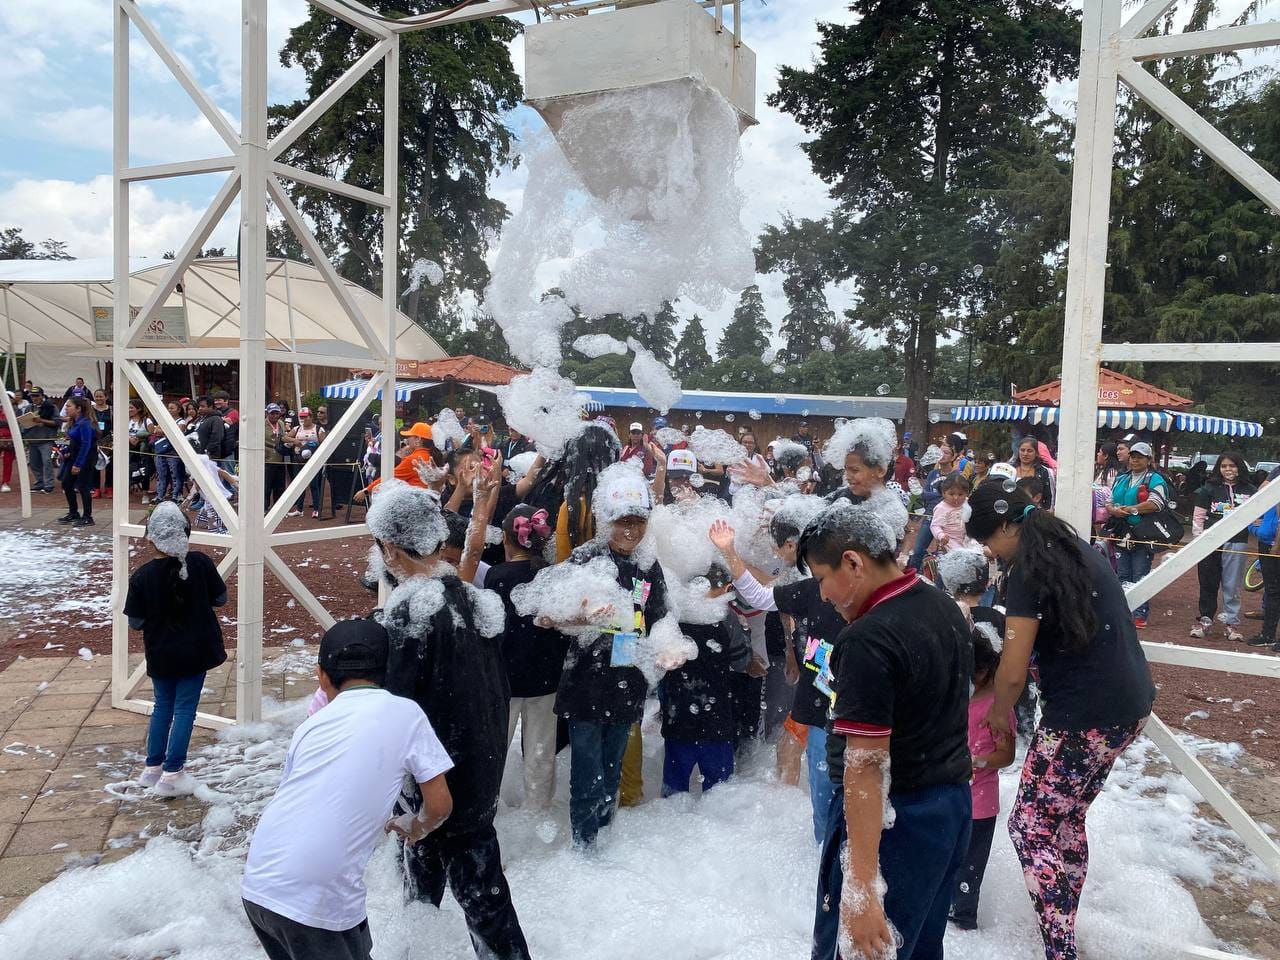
(172, 719)
(713, 760)
(595, 769)
(924, 537)
(820, 786)
(919, 859)
(169, 477)
(1131, 566)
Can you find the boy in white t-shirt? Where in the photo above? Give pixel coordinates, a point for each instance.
(303, 887)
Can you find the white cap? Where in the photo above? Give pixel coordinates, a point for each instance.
(639, 428)
(682, 460)
(1141, 449)
(1002, 469)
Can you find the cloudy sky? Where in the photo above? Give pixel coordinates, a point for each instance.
(55, 104)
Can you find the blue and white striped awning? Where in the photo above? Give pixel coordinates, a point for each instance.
(350, 389)
(1198, 423)
(1112, 419)
(990, 412)
(591, 406)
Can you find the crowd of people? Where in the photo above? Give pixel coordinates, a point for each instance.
(763, 596)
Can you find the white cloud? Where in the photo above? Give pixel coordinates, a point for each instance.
(153, 137)
(79, 213)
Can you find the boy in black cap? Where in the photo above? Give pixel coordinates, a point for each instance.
(303, 886)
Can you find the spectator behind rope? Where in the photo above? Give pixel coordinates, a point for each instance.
(1029, 464)
(79, 468)
(1065, 605)
(1227, 487)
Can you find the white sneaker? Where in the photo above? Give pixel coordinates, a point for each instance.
(1202, 628)
(176, 784)
(150, 776)
(4, 488)
(294, 513)
(1233, 634)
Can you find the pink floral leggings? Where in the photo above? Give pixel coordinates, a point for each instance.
(1063, 773)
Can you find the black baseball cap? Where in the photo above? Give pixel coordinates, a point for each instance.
(354, 646)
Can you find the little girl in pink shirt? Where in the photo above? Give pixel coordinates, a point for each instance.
(949, 515)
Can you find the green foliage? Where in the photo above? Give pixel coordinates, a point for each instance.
(918, 113)
(691, 350)
(455, 84)
(747, 334)
(14, 246)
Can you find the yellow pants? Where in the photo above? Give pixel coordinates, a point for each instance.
(631, 789)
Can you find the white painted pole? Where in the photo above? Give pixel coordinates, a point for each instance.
(1087, 264)
(390, 248)
(293, 340)
(19, 448)
(119, 383)
(253, 334)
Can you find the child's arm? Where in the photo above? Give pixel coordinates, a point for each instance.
(938, 524)
(437, 805)
(319, 701)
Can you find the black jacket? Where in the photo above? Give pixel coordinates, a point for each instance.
(210, 434)
(456, 676)
(697, 698)
(590, 688)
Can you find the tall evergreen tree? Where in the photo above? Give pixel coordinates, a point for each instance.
(918, 109)
(691, 349)
(456, 82)
(747, 334)
(14, 246)
(658, 332)
(805, 325)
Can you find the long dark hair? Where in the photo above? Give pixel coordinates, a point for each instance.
(1108, 450)
(84, 409)
(1050, 557)
(1243, 476)
(571, 480)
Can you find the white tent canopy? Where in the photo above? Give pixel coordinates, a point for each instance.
(52, 301)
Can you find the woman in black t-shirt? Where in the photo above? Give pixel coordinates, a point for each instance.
(533, 655)
(1065, 605)
(171, 600)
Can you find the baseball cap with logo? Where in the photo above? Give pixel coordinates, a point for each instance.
(637, 428)
(681, 461)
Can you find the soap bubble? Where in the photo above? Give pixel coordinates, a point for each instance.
(754, 414)
(1009, 486)
(698, 414)
(1001, 507)
(728, 417)
(427, 270)
(696, 480)
(780, 400)
(826, 344)
(804, 412)
(725, 378)
(977, 269)
(882, 390)
(1271, 421)
(1222, 258)
(934, 417)
(768, 355)
(778, 368)
(977, 361)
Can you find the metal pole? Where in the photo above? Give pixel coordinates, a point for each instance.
(119, 377)
(390, 248)
(253, 334)
(293, 340)
(1087, 263)
(19, 448)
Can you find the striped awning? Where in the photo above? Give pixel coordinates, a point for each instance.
(591, 406)
(350, 389)
(1197, 423)
(1010, 412)
(1112, 419)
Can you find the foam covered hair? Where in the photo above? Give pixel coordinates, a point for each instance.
(407, 517)
(621, 491)
(874, 439)
(168, 530)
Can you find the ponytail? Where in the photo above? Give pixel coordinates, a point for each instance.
(1050, 557)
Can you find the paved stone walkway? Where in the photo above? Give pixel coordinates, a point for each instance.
(63, 743)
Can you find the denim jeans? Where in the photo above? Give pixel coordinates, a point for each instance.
(924, 537)
(172, 719)
(595, 769)
(920, 857)
(820, 786)
(1131, 566)
(40, 457)
(169, 476)
(713, 760)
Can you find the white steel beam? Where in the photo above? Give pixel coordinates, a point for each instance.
(255, 166)
(390, 254)
(1144, 19)
(19, 452)
(181, 353)
(186, 254)
(309, 601)
(1191, 352)
(181, 168)
(309, 358)
(1190, 767)
(338, 533)
(320, 260)
(350, 13)
(1185, 559)
(317, 107)
(1203, 134)
(328, 183)
(1087, 259)
(1226, 661)
(1200, 42)
(183, 76)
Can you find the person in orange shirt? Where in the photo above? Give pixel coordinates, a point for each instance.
(417, 442)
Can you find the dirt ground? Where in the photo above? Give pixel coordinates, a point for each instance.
(1218, 706)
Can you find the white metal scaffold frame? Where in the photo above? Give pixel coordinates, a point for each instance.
(1115, 51)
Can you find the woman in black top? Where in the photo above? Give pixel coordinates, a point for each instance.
(534, 656)
(1065, 605)
(1226, 488)
(171, 600)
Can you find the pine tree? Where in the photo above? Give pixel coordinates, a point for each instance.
(456, 83)
(691, 350)
(918, 110)
(657, 333)
(14, 246)
(747, 334)
(805, 325)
